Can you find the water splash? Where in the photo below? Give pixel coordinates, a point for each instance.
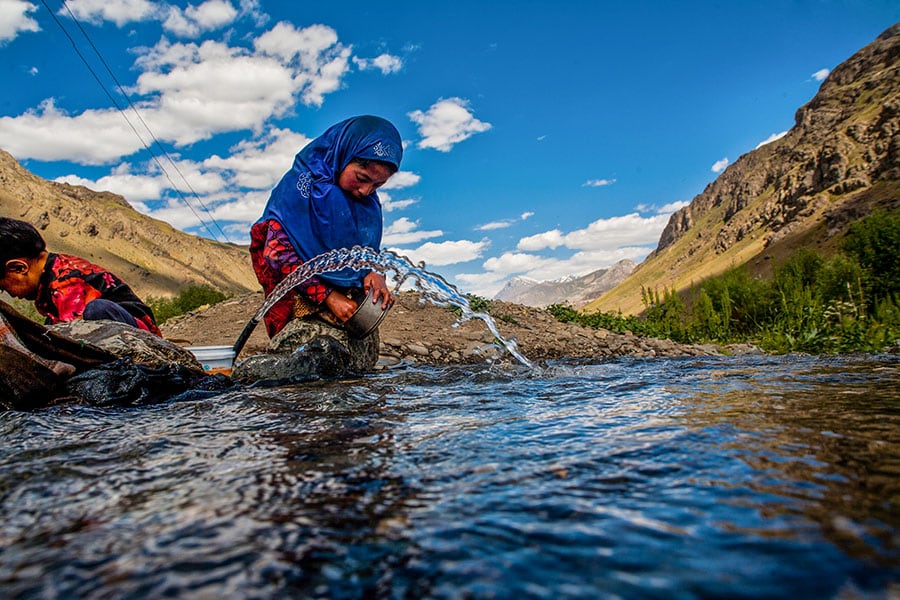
(432, 286)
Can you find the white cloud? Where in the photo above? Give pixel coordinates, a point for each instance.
(771, 138)
(598, 182)
(602, 234)
(599, 245)
(250, 9)
(119, 12)
(495, 225)
(46, 133)
(548, 239)
(616, 232)
(388, 204)
(206, 215)
(186, 177)
(320, 60)
(14, 18)
(245, 209)
(242, 208)
(719, 165)
(400, 180)
(446, 123)
(444, 253)
(183, 216)
(665, 209)
(134, 188)
(212, 14)
(513, 262)
(191, 92)
(406, 231)
(260, 163)
(668, 209)
(211, 88)
(504, 223)
(197, 19)
(190, 177)
(233, 188)
(485, 285)
(821, 74)
(386, 63)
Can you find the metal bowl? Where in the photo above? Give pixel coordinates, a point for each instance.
(367, 317)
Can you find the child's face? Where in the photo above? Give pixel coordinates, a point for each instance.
(359, 181)
(21, 279)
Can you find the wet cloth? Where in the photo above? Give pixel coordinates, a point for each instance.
(69, 283)
(316, 214)
(9, 339)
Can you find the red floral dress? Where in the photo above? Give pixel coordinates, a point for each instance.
(69, 283)
(274, 258)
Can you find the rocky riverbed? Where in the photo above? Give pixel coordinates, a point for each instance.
(422, 332)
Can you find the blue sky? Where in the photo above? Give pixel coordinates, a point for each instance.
(543, 138)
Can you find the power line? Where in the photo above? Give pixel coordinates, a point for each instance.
(140, 118)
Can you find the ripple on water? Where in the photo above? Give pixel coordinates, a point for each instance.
(707, 477)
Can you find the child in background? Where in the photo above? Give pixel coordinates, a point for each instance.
(63, 287)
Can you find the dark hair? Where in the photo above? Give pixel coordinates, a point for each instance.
(364, 162)
(18, 239)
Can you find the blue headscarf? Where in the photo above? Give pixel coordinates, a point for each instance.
(319, 216)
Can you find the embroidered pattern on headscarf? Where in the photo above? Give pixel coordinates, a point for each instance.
(382, 150)
(303, 183)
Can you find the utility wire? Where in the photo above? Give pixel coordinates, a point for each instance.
(138, 114)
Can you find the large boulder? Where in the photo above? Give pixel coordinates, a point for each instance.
(125, 341)
(308, 349)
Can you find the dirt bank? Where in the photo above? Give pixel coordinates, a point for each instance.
(425, 333)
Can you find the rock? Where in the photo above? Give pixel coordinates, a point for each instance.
(741, 349)
(416, 349)
(310, 349)
(125, 341)
(322, 357)
(363, 352)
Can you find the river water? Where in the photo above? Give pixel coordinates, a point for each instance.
(754, 477)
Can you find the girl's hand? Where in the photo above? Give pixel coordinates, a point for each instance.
(340, 305)
(376, 281)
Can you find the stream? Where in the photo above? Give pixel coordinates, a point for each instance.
(713, 477)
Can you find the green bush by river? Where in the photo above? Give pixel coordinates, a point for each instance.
(190, 298)
(846, 302)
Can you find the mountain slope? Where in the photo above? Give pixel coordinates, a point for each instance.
(154, 258)
(577, 291)
(839, 162)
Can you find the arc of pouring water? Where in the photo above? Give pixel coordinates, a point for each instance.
(433, 287)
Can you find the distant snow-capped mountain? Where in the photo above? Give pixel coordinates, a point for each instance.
(575, 290)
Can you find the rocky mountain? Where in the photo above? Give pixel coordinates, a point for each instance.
(577, 291)
(839, 162)
(153, 257)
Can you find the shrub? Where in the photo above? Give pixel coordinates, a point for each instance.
(190, 298)
(875, 243)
